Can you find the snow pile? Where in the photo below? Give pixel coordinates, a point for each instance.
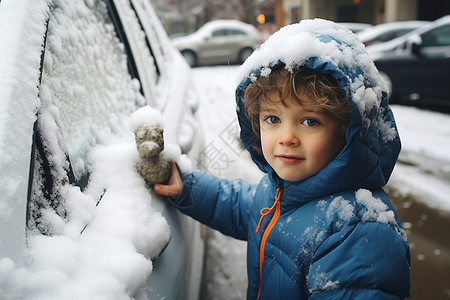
(102, 244)
(374, 208)
(429, 137)
(340, 207)
(425, 169)
(341, 211)
(321, 282)
(146, 116)
(104, 249)
(370, 209)
(110, 259)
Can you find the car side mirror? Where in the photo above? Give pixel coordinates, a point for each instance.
(415, 43)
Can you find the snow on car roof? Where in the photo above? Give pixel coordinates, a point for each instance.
(355, 27)
(227, 23)
(389, 45)
(385, 27)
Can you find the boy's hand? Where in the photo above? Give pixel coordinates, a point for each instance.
(173, 189)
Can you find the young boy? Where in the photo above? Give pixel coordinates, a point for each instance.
(314, 116)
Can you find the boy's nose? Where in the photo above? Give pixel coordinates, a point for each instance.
(289, 138)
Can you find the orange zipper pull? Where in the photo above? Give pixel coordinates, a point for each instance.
(266, 210)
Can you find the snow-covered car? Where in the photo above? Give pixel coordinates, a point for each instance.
(416, 66)
(77, 221)
(387, 31)
(354, 26)
(218, 42)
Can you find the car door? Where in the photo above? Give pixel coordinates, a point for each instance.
(433, 63)
(177, 270)
(420, 67)
(101, 63)
(74, 212)
(214, 47)
(238, 40)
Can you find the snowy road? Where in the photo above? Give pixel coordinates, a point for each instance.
(419, 187)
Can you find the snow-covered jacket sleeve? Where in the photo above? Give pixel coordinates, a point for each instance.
(364, 261)
(222, 204)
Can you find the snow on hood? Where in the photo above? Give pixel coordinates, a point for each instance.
(373, 143)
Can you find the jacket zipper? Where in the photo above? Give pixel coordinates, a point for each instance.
(264, 212)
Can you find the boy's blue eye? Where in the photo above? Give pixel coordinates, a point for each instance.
(310, 122)
(272, 120)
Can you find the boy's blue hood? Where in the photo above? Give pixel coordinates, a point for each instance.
(373, 143)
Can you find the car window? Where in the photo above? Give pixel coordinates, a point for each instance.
(235, 32)
(88, 80)
(86, 91)
(401, 32)
(437, 37)
(139, 46)
(219, 32)
(154, 42)
(393, 34)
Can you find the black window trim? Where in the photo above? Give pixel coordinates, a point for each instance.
(120, 31)
(38, 146)
(152, 53)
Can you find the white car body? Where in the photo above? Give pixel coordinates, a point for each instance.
(387, 31)
(76, 222)
(219, 41)
(355, 27)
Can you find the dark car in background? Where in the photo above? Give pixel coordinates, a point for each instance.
(416, 67)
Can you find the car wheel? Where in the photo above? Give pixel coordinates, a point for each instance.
(244, 54)
(389, 85)
(190, 57)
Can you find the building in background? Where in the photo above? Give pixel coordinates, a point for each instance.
(270, 17)
(186, 16)
(365, 11)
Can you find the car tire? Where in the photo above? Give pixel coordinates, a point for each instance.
(388, 81)
(244, 54)
(190, 57)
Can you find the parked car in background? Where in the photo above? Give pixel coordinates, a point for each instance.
(387, 31)
(76, 219)
(355, 27)
(218, 42)
(416, 67)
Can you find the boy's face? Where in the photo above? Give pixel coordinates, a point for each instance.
(298, 141)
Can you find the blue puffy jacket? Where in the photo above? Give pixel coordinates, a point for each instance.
(334, 235)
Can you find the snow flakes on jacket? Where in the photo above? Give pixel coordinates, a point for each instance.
(334, 235)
